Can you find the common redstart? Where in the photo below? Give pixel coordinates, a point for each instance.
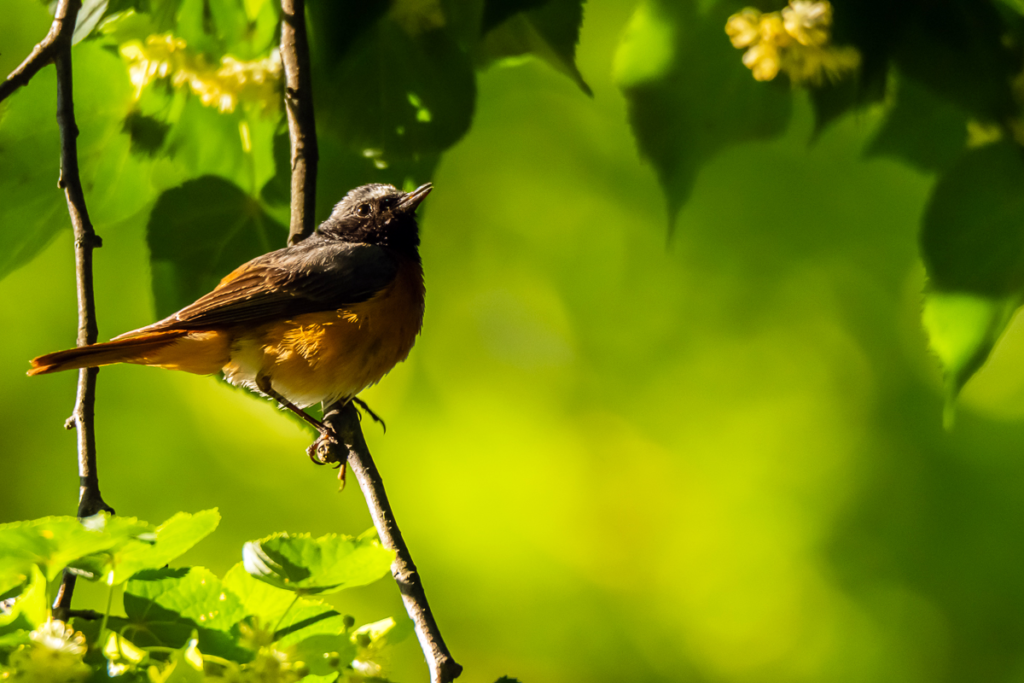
(318, 321)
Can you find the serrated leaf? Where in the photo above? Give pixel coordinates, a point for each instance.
(548, 30)
(308, 566)
(294, 619)
(200, 232)
(52, 543)
(921, 129)
(172, 539)
(164, 607)
(688, 94)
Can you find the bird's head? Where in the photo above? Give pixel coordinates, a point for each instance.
(377, 214)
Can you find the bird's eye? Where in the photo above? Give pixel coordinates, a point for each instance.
(363, 210)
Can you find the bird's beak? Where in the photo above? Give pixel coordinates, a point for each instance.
(413, 199)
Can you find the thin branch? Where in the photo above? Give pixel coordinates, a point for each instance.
(344, 420)
(90, 501)
(45, 51)
(298, 98)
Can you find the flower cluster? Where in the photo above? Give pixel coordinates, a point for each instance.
(222, 86)
(53, 655)
(795, 41)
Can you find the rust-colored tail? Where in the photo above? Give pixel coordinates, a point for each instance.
(129, 350)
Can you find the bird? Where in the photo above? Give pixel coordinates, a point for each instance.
(314, 322)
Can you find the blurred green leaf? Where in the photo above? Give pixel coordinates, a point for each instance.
(972, 243)
(382, 633)
(165, 606)
(408, 87)
(972, 237)
(962, 329)
(308, 566)
(30, 608)
(688, 93)
(921, 129)
(548, 30)
(311, 650)
(200, 232)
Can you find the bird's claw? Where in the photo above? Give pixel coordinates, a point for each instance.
(320, 450)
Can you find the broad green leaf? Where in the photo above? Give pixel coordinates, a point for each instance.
(185, 665)
(117, 183)
(688, 93)
(972, 243)
(200, 232)
(548, 30)
(327, 564)
(173, 538)
(972, 238)
(294, 619)
(962, 329)
(409, 86)
(52, 543)
(164, 607)
(921, 129)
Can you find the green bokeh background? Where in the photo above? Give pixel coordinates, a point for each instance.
(614, 458)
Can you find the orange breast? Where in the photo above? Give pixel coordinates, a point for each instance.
(332, 355)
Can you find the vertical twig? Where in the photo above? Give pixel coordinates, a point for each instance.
(298, 99)
(342, 417)
(344, 420)
(90, 501)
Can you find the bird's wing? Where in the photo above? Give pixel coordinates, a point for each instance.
(314, 275)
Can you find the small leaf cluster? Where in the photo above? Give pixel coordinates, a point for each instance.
(186, 624)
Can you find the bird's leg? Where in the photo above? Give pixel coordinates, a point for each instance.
(326, 436)
(376, 418)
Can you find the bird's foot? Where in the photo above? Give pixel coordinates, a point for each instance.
(325, 450)
(376, 418)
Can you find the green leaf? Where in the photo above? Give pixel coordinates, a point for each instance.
(548, 30)
(173, 538)
(382, 633)
(972, 243)
(921, 129)
(165, 606)
(294, 619)
(52, 543)
(327, 564)
(972, 237)
(688, 94)
(30, 607)
(958, 51)
(312, 651)
(409, 86)
(962, 329)
(200, 232)
(117, 183)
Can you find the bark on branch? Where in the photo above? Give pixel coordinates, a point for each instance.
(343, 418)
(90, 501)
(45, 51)
(298, 98)
(344, 421)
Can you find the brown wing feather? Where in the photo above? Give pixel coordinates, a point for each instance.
(314, 275)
